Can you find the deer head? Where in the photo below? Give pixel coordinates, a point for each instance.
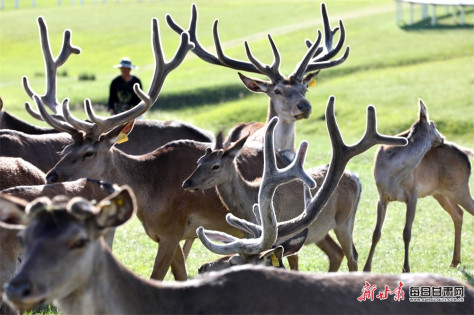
(287, 94)
(67, 228)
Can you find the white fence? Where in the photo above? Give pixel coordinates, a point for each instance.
(33, 3)
(433, 3)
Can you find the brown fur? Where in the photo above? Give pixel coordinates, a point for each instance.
(425, 167)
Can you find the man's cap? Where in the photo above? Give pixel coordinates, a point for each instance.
(125, 62)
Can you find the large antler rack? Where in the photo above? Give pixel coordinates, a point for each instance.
(51, 66)
(99, 125)
(272, 178)
(317, 57)
(341, 155)
(310, 61)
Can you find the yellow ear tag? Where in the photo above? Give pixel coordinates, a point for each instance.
(122, 137)
(312, 82)
(275, 261)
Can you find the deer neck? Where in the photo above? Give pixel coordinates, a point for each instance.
(398, 162)
(284, 132)
(121, 165)
(238, 194)
(111, 289)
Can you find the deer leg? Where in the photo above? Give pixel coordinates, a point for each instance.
(465, 200)
(187, 247)
(456, 214)
(333, 251)
(410, 217)
(293, 261)
(178, 265)
(344, 236)
(381, 211)
(164, 257)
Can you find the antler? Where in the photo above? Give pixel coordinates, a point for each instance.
(272, 72)
(272, 178)
(99, 124)
(51, 66)
(311, 61)
(341, 155)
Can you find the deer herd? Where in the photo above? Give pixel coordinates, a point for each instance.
(65, 189)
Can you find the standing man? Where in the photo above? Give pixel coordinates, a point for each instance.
(122, 96)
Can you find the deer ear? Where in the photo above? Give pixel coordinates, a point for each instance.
(254, 85)
(12, 212)
(235, 148)
(120, 133)
(116, 209)
(423, 113)
(309, 79)
(294, 244)
(273, 257)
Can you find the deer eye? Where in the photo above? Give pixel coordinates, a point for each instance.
(87, 154)
(277, 92)
(215, 167)
(80, 243)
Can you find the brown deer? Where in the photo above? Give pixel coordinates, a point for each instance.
(287, 98)
(287, 94)
(14, 171)
(218, 168)
(427, 166)
(10, 249)
(72, 230)
(168, 214)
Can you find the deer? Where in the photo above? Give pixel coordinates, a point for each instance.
(168, 215)
(427, 166)
(14, 171)
(286, 94)
(29, 190)
(218, 168)
(64, 237)
(287, 98)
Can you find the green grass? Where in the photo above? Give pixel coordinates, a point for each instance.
(389, 66)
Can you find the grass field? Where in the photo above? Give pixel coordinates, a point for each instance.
(390, 66)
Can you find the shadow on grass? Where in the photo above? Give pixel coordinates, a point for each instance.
(469, 276)
(200, 97)
(189, 99)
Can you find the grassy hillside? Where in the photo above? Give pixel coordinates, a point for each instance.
(390, 66)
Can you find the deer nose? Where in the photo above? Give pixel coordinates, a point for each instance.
(18, 289)
(186, 184)
(52, 177)
(305, 107)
